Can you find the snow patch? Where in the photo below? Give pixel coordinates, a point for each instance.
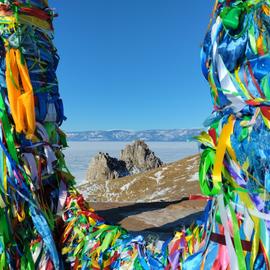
(192, 159)
(90, 190)
(160, 193)
(127, 186)
(194, 177)
(158, 175)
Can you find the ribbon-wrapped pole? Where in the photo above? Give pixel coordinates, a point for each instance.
(46, 224)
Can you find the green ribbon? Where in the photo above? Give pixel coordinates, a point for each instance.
(265, 86)
(206, 166)
(8, 130)
(231, 17)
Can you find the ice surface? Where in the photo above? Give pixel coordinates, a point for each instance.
(79, 154)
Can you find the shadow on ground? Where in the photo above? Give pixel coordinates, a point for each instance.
(167, 230)
(155, 220)
(116, 214)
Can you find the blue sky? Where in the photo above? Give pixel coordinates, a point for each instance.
(132, 64)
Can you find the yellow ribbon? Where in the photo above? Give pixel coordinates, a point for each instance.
(223, 143)
(21, 216)
(25, 19)
(31, 20)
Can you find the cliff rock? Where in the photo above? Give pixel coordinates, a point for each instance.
(139, 158)
(135, 158)
(102, 166)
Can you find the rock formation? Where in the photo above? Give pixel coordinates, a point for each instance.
(139, 158)
(135, 158)
(103, 166)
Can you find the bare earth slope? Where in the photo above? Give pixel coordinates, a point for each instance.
(150, 202)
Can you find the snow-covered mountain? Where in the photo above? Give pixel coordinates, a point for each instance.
(171, 135)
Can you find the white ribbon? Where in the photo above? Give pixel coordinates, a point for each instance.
(42, 132)
(254, 212)
(224, 219)
(31, 162)
(62, 197)
(51, 158)
(226, 83)
(248, 225)
(51, 115)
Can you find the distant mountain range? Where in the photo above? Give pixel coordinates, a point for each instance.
(171, 135)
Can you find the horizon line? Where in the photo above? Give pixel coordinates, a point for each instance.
(132, 130)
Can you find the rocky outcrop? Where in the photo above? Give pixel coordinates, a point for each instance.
(139, 158)
(168, 183)
(104, 167)
(135, 158)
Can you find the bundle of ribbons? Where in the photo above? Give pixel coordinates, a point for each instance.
(46, 224)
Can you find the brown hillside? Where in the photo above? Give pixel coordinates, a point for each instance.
(167, 183)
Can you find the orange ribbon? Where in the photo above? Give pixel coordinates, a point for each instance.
(20, 93)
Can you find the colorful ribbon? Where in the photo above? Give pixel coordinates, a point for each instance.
(45, 222)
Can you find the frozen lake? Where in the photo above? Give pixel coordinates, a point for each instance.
(79, 154)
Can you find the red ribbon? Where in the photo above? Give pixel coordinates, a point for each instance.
(199, 198)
